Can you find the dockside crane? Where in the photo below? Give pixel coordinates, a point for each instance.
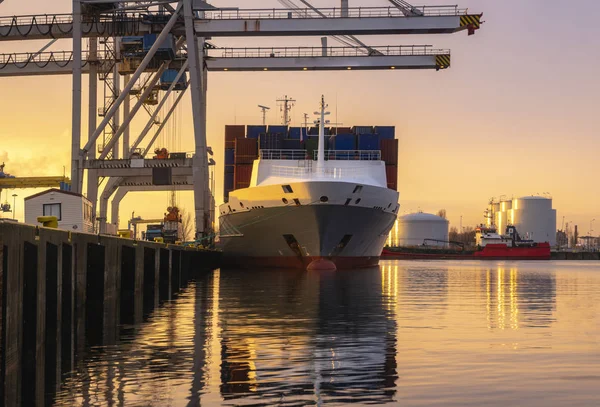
(116, 29)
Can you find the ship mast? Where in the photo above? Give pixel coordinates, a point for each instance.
(321, 150)
(286, 105)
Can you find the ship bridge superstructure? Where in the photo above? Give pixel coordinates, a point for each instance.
(140, 53)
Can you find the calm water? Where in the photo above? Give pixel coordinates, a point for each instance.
(407, 333)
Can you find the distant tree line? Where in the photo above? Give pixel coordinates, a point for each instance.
(466, 237)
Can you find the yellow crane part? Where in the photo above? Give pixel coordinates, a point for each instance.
(32, 182)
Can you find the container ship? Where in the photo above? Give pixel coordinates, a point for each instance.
(297, 196)
(490, 246)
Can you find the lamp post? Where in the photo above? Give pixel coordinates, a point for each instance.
(14, 205)
(591, 230)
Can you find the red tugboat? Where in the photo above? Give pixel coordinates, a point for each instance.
(490, 246)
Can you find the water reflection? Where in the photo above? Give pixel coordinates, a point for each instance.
(404, 333)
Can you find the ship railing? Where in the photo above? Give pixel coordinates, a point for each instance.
(312, 172)
(351, 155)
(283, 155)
(331, 12)
(306, 52)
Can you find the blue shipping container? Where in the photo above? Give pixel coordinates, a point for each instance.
(166, 49)
(229, 169)
(229, 156)
(297, 133)
(314, 131)
(343, 142)
(255, 131)
(369, 142)
(386, 132)
(278, 129)
(362, 130)
(228, 185)
(270, 141)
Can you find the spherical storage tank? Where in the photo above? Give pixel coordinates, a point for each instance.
(413, 229)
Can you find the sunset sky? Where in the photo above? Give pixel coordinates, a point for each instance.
(516, 114)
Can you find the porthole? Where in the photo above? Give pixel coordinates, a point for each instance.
(324, 199)
(357, 201)
(285, 201)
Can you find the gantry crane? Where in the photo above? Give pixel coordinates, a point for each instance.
(111, 26)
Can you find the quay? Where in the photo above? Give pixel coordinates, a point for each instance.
(575, 256)
(63, 292)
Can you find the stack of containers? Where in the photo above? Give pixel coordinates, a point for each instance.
(297, 133)
(312, 144)
(367, 143)
(271, 141)
(389, 154)
(343, 143)
(255, 131)
(362, 130)
(246, 151)
(232, 133)
(339, 130)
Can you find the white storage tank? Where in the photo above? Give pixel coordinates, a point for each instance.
(415, 228)
(535, 219)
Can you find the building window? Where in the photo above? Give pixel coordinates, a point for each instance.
(52, 210)
(287, 189)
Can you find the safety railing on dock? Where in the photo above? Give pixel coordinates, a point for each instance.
(297, 52)
(334, 12)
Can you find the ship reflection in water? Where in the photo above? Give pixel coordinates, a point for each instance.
(407, 333)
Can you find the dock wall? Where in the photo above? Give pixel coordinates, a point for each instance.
(63, 292)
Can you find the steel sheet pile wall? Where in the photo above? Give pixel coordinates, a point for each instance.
(62, 293)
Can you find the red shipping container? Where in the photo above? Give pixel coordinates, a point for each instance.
(246, 150)
(340, 130)
(243, 175)
(391, 173)
(389, 151)
(233, 132)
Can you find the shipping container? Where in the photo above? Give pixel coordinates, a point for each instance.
(339, 130)
(168, 77)
(362, 130)
(230, 156)
(246, 150)
(280, 129)
(314, 131)
(271, 141)
(255, 131)
(389, 151)
(342, 142)
(368, 142)
(298, 133)
(233, 132)
(385, 132)
(243, 175)
(288, 144)
(228, 183)
(391, 173)
(229, 169)
(166, 50)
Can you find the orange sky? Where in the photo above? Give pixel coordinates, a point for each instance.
(515, 115)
